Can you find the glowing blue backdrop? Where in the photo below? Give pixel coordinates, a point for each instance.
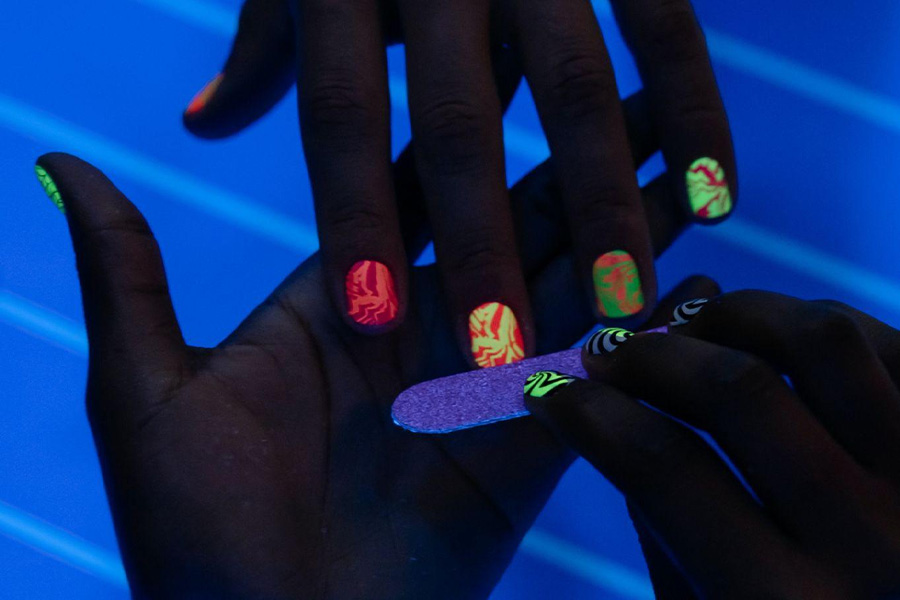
(812, 96)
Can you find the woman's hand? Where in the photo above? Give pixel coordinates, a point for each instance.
(820, 452)
(335, 51)
(268, 466)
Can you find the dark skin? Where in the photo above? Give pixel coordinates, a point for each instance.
(334, 51)
(268, 467)
(821, 454)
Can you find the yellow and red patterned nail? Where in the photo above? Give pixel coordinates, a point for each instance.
(617, 285)
(203, 96)
(371, 295)
(495, 335)
(707, 189)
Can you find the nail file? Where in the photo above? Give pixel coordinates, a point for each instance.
(479, 397)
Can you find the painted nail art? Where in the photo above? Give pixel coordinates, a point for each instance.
(708, 189)
(607, 340)
(495, 334)
(617, 285)
(50, 188)
(203, 96)
(371, 298)
(544, 384)
(687, 311)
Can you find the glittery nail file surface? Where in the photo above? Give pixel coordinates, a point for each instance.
(477, 397)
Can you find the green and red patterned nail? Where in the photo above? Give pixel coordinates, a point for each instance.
(50, 187)
(707, 188)
(617, 285)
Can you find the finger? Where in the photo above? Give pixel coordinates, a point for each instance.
(885, 338)
(130, 321)
(344, 108)
(668, 582)
(456, 122)
(642, 138)
(786, 455)
(410, 198)
(671, 55)
(561, 318)
(830, 360)
(570, 73)
(696, 286)
(258, 73)
(691, 501)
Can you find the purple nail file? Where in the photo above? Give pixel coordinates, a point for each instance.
(478, 397)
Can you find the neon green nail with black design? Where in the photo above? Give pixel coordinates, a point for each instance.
(546, 383)
(50, 187)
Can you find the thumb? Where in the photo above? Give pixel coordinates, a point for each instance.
(130, 321)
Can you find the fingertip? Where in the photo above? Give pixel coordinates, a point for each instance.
(495, 336)
(710, 196)
(373, 302)
(544, 388)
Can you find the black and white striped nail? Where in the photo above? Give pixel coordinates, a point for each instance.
(687, 311)
(606, 340)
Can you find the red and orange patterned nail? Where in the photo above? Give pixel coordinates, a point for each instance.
(708, 190)
(495, 335)
(617, 285)
(371, 297)
(202, 98)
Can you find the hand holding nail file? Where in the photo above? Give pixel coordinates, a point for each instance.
(490, 395)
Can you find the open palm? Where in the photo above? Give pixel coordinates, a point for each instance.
(268, 467)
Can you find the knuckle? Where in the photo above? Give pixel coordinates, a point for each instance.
(334, 104)
(355, 215)
(824, 326)
(107, 239)
(672, 34)
(451, 134)
(603, 207)
(736, 380)
(583, 83)
(476, 252)
(699, 108)
(832, 305)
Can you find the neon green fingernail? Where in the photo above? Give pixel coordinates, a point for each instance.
(50, 188)
(708, 189)
(546, 383)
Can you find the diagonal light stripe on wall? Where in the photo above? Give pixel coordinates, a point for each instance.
(61, 545)
(238, 210)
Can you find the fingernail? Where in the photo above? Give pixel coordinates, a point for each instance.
(544, 384)
(708, 190)
(617, 285)
(50, 188)
(606, 340)
(687, 311)
(203, 96)
(371, 297)
(495, 334)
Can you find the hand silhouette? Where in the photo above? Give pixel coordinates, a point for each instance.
(268, 467)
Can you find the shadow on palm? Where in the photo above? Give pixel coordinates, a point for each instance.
(269, 466)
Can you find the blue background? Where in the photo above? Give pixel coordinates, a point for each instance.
(811, 98)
